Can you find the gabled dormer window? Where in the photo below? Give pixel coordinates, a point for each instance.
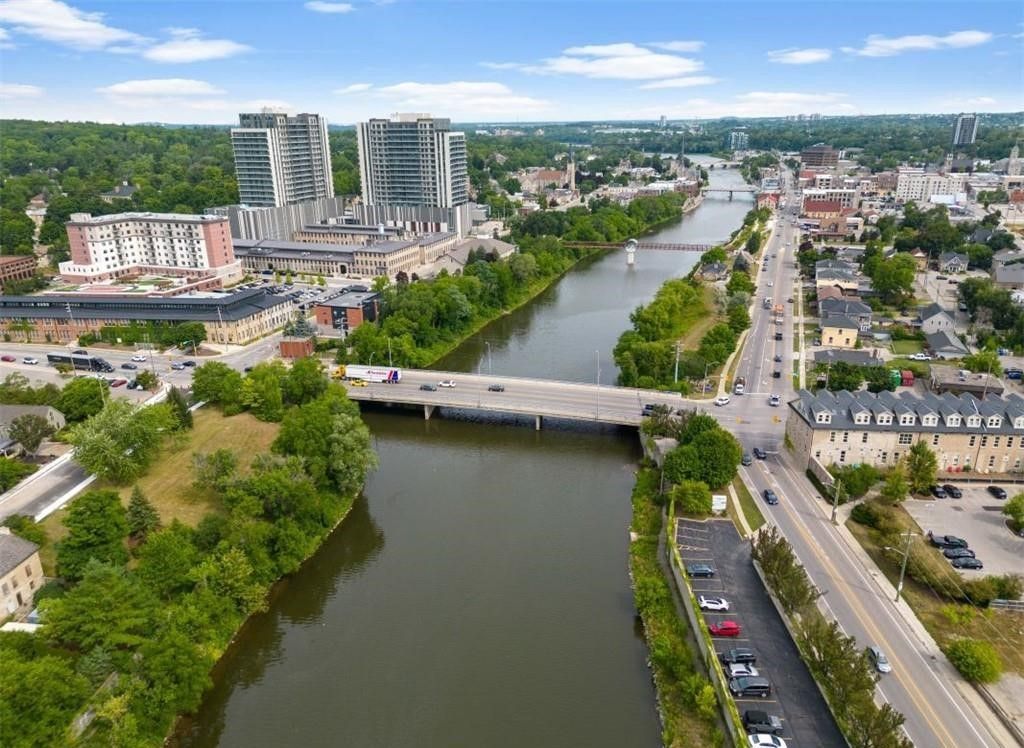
(1018, 422)
(953, 420)
(974, 421)
(907, 419)
(994, 421)
(884, 418)
(930, 420)
(862, 418)
(824, 417)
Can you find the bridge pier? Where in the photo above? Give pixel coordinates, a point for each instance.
(538, 420)
(428, 411)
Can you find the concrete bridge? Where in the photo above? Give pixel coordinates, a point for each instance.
(746, 190)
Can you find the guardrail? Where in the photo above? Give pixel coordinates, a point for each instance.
(1017, 606)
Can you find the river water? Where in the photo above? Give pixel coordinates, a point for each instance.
(478, 593)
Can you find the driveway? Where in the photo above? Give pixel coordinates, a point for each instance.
(795, 697)
(978, 519)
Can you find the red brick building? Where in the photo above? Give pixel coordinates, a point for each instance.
(17, 267)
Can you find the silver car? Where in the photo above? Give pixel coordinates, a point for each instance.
(879, 660)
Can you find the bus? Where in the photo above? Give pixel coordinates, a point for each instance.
(79, 361)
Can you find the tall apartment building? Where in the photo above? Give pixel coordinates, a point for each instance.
(281, 159)
(916, 185)
(819, 155)
(106, 247)
(738, 140)
(965, 131)
(413, 160)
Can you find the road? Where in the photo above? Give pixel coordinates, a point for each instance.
(921, 686)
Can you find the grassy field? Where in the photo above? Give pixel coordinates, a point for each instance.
(906, 347)
(753, 515)
(168, 484)
(947, 621)
(699, 319)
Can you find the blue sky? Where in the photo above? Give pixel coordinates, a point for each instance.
(202, 62)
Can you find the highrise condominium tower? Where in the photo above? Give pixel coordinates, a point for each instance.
(281, 159)
(965, 130)
(412, 159)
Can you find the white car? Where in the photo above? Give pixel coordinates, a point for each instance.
(138, 357)
(768, 741)
(770, 284)
(446, 383)
(774, 401)
(722, 400)
(30, 360)
(920, 357)
(742, 670)
(712, 603)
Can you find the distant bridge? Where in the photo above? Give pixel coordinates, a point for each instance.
(662, 246)
(731, 191)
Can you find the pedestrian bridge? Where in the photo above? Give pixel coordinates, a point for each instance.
(635, 245)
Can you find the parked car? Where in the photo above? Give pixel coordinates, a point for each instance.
(952, 490)
(30, 360)
(189, 363)
(177, 366)
(724, 628)
(756, 721)
(760, 453)
(750, 686)
(1015, 373)
(774, 401)
(495, 388)
(446, 383)
(428, 387)
(699, 570)
(920, 357)
(741, 670)
(946, 541)
(776, 374)
(766, 741)
(967, 563)
(778, 358)
(879, 660)
(738, 654)
(958, 553)
(770, 497)
(996, 491)
(118, 382)
(938, 492)
(139, 357)
(128, 366)
(707, 602)
(778, 335)
(722, 400)
(8, 359)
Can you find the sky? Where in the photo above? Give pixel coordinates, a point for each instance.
(185, 62)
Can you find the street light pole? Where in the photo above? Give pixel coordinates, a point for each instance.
(597, 357)
(389, 351)
(371, 358)
(835, 501)
(490, 367)
(675, 377)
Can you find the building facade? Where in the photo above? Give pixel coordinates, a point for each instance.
(916, 185)
(281, 159)
(17, 267)
(738, 140)
(819, 155)
(21, 573)
(108, 247)
(965, 432)
(347, 311)
(412, 159)
(236, 318)
(965, 130)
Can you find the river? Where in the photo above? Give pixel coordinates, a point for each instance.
(478, 593)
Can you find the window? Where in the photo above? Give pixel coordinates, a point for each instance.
(935, 440)
(984, 440)
(817, 454)
(995, 441)
(1009, 442)
(6, 589)
(28, 570)
(832, 436)
(906, 439)
(885, 457)
(991, 461)
(972, 440)
(842, 456)
(864, 438)
(846, 437)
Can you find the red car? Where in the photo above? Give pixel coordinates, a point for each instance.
(724, 628)
(118, 382)
(7, 358)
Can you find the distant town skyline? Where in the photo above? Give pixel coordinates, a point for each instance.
(203, 63)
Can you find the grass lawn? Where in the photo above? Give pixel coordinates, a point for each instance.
(906, 347)
(944, 620)
(753, 515)
(168, 484)
(698, 320)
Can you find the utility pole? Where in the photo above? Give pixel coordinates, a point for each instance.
(675, 377)
(835, 501)
(905, 552)
(71, 331)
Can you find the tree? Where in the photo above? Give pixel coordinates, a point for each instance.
(12, 471)
(921, 464)
(167, 559)
(179, 408)
(96, 528)
(120, 442)
(893, 278)
(214, 469)
(38, 699)
(141, 516)
(895, 488)
(230, 575)
(842, 376)
(176, 671)
(216, 382)
(857, 480)
(870, 726)
(720, 455)
(983, 361)
(29, 430)
(977, 660)
(681, 464)
(25, 527)
(692, 497)
(82, 398)
(147, 379)
(261, 391)
(304, 381)
(1014, 509)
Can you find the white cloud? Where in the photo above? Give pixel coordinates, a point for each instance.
(189, 46)
(61, 23)
(161, 87)
(687, 82)
(794, 56)
(620, 61)
(877, 45)
(623, 49)
(458, 99)
(5, 39)
(353, 88)
(680, 46)
(19, 91)
(318, 6)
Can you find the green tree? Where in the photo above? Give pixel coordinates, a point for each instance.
(176, 671)
(141, 516)
(1014, 509)
(12, 472)
(681, 464)
(857, 480)
(179, 408)
(842, 376)
(871, 726)
(120, 442)
(261, 391)
(230, 574)
(720, 455)
(895, 488)
(82, 398)
(25, 527)
(921, 464)
(147, 379)
(983, 361)
(214, 469)
(167, 559)
(16, 232)
(217, 383)
(38, 699)
(893, 278)
(96, 528)
(977, 660)
(29, 430)
(692, 497)
(304, 382)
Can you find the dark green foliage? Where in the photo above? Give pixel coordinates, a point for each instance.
(261, 391)
(692, 497)
(166, 561)
(29, 430)
(39, 695)
(25, 527)
(214, 470)
(96, 530)
(142, 517)
(13, 471)
(179, 408)
(978, 661)
(163, 334)
(921, 465)
(82, 398)
(217, 383)
(305, 381)
(16, 390)
(785, 575)
(856, 480)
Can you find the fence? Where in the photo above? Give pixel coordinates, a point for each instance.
(1016, 606)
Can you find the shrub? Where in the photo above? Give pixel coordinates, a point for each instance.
(978, 661)
(866, 513)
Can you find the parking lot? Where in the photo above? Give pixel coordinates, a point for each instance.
(795, 698)
(978, 519)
